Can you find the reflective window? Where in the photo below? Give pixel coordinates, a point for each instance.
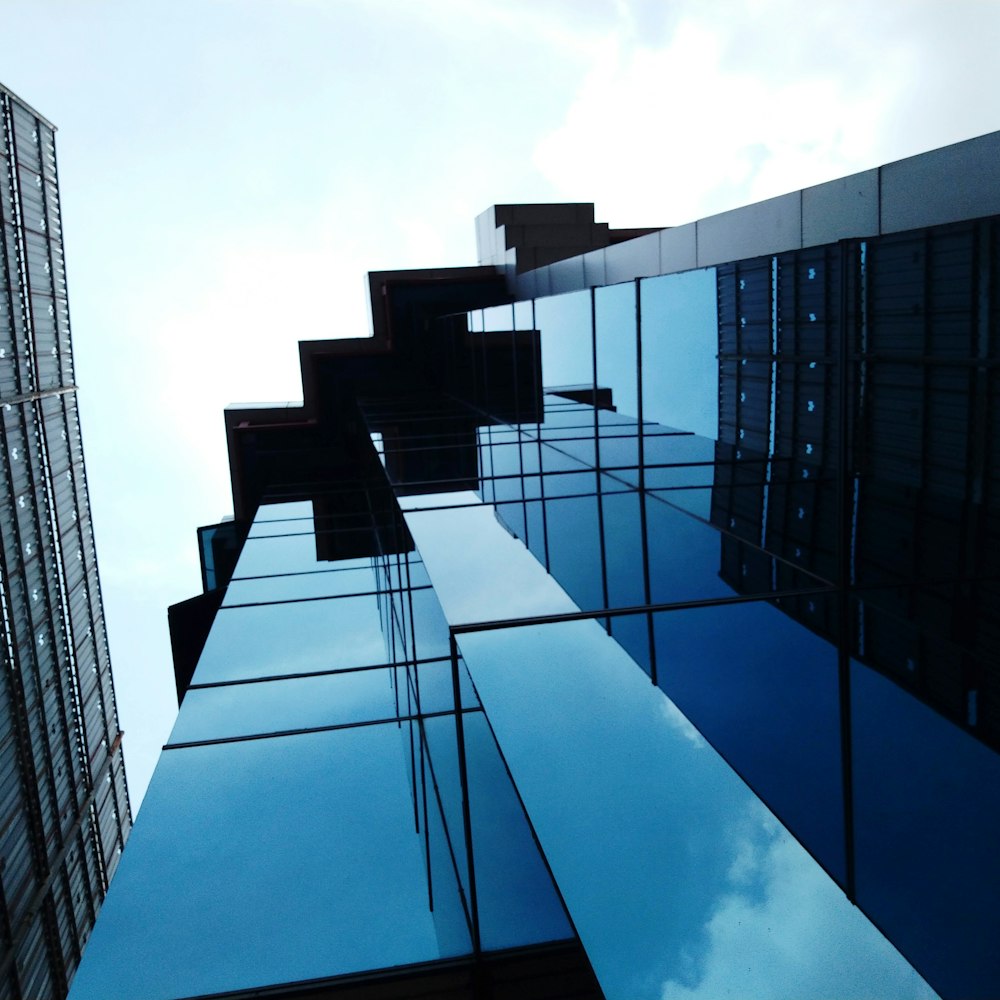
(292, 638)
(291, 703)
(565, 324)
(227, 896)
(298, 586)
(615, 316)
(680, 345)
(927, 808)
(671, 897)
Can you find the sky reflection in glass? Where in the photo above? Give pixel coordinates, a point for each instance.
(260, 862)
(680, 344)
(701, 893)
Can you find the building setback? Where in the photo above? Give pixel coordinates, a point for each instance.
(64, 812)
(619, 619)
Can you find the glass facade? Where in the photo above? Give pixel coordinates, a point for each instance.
(64, 815)
(639, 639)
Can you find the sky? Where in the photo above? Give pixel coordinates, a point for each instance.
(230, 169)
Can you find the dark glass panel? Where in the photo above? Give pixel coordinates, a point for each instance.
(518, 903)
(927, 822)
(574, 547)
(769, 706)
(666, 903)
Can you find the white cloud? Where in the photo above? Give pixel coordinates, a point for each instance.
(786, 930)
(741, 102)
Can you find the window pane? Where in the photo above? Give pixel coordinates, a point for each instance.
(325, 874)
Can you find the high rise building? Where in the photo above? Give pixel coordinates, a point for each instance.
(64, 814)
(619, 619)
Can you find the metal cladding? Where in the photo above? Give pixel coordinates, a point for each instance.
(64, 809)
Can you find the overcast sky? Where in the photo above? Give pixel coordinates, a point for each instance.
(230, 169)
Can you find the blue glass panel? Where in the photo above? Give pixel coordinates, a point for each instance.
(498, 318)
(436, 692)
(927, 811)
(676, 449)
(694, 501)
(524, 315)
(557, 457)
(480, 585)
(398, 572)
(701, 892)
(570, 415)
(535, 525)
(567, 484)
(284, 859)
(614, 313)
(451, 920)
(332, 583)
(770, 707)
(518, 903)
(575, 549)
(292, 638)
(441, 748)
(680, 345)
(564, 322)
(624, 559)
(284, 511)
(618, 450)
(579, 449)
(429, 626)
(273, 706)
(294, 553)
(687, 559)
(271, 528)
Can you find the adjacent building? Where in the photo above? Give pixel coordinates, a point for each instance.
(64, 811)
(619, 619)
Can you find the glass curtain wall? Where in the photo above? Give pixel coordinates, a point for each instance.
(819, 559)
(330, 772)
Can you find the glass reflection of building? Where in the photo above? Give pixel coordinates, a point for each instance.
(419, 750)
(64, 808)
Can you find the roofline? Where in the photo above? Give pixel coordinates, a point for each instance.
(27, 107)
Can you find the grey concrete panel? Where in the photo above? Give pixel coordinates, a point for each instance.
(543, 282)
(767, 227)
(594, 272)
(840, 209)
(555, 235)
(521, 286)
(566, 275)
(678, 248)
(945, 185)
(560, 213)
(637, 258)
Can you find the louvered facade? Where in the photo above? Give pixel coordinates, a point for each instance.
(64, 809)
